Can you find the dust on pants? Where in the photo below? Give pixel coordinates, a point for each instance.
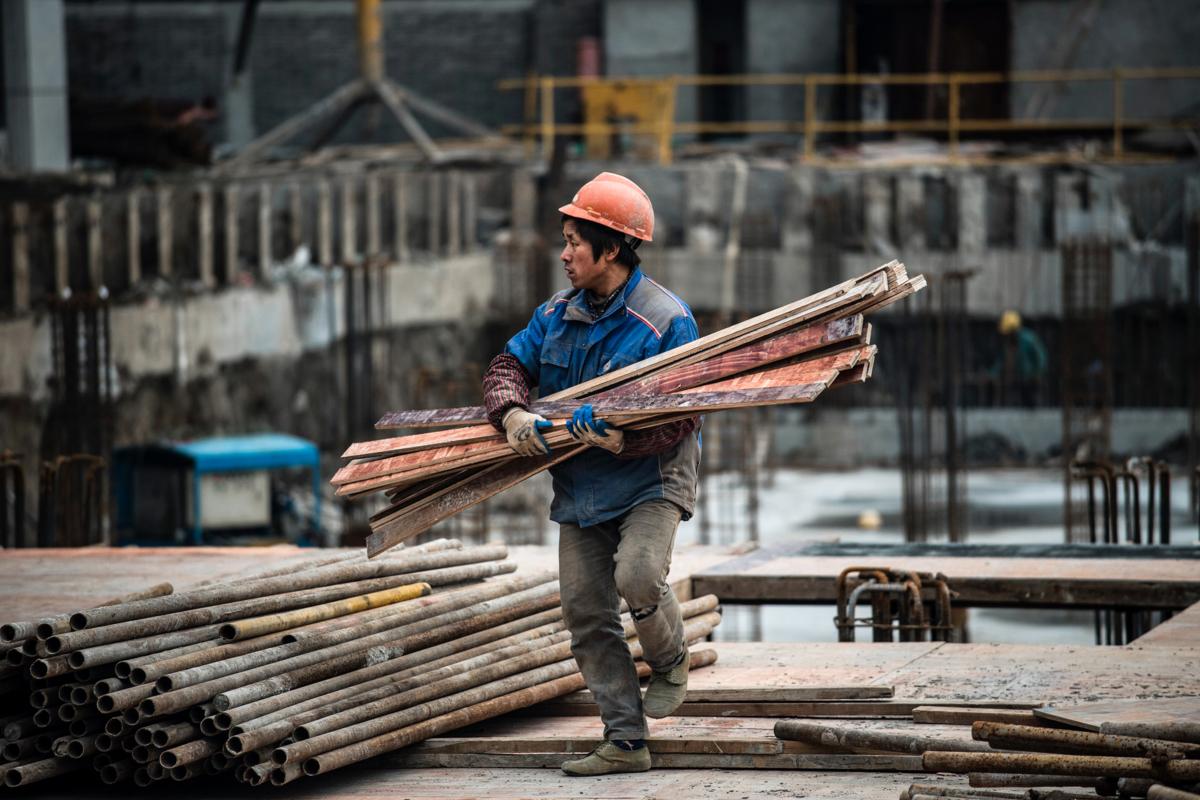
(627, 557)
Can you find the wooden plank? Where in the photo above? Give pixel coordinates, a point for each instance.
(788, 694)
(353, 477)
(1090, 716)
(20, 256)
(951, 715)
(786, 761)
(473, 489)
(133, 236)
(790, 574)
(1181, 629)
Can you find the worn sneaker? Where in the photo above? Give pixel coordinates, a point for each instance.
(608, 758)
(666, 690)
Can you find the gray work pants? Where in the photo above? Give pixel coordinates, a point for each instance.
(627, 557)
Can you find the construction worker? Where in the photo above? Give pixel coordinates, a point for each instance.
(619, 502)
(1022, 362)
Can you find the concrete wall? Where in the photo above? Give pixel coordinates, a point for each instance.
(656, 38)
(452, 51)
(789, 36)
(1051, 34)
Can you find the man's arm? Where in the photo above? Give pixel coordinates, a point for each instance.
(659, 439)
(505, 384)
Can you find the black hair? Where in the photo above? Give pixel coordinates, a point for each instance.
(602, 239)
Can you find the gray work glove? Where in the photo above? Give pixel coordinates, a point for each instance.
(524, 431)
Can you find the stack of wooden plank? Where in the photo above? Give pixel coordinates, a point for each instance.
(289, 672)
(788, 355)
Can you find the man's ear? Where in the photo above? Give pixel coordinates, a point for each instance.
(610, 255)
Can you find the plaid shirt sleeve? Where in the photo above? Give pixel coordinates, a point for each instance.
(505, 384)
(652, 441)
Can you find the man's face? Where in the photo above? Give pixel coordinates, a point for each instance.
(582, 267)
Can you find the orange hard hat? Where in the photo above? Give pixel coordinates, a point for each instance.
(615, 202)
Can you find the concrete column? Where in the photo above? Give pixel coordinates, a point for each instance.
(1028, 211)
(706, 207)
(797, 214)
(910, 214)
(877, 213)
(972, 213)
(35, 84)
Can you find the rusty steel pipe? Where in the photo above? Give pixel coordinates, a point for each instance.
(16, 749)
(1085, 766)
(1050, 740)
(19, 728)
(223, 612)
(261, 626)
(124, 669)
(342, 658)
(167, 736)
(288, 680)
(119, 650)
(523, 698)
(123, 699)
(186, 772)
(408, 708)
(291, 582)
(272, 709)
(1179, 730)
(14, 631)
(827, 735)
(116, 772)
(189, 753)
(293, 655)
(356, 696)
(108, 685)
(25, 774)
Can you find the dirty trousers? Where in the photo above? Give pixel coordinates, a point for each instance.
(627, 557)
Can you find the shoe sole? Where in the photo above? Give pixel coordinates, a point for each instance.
(607, 772)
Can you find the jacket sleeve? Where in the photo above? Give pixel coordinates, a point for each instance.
(659, 439)
(505, 384)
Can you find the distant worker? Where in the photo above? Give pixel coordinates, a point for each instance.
(619, 502)
(1022, 361)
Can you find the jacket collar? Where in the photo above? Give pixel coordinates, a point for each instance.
(577, 308)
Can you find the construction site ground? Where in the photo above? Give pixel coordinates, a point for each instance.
(722, 744)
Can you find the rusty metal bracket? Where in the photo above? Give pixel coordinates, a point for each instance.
(910, 606)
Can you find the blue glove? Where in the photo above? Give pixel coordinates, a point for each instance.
(595, 432)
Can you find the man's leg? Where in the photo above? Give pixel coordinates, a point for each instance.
(643, 561)
(591, 610)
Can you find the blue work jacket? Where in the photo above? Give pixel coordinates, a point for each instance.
(564, 345)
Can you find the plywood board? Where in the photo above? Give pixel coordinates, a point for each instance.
(1181, 630)
(1090, 716)
(782, 575)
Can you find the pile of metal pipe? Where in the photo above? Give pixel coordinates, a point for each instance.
(1145, 759)
(289, 671)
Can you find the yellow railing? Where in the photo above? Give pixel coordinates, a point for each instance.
(659, 123)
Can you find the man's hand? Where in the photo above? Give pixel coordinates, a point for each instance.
(524, 432)
(596, 432)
